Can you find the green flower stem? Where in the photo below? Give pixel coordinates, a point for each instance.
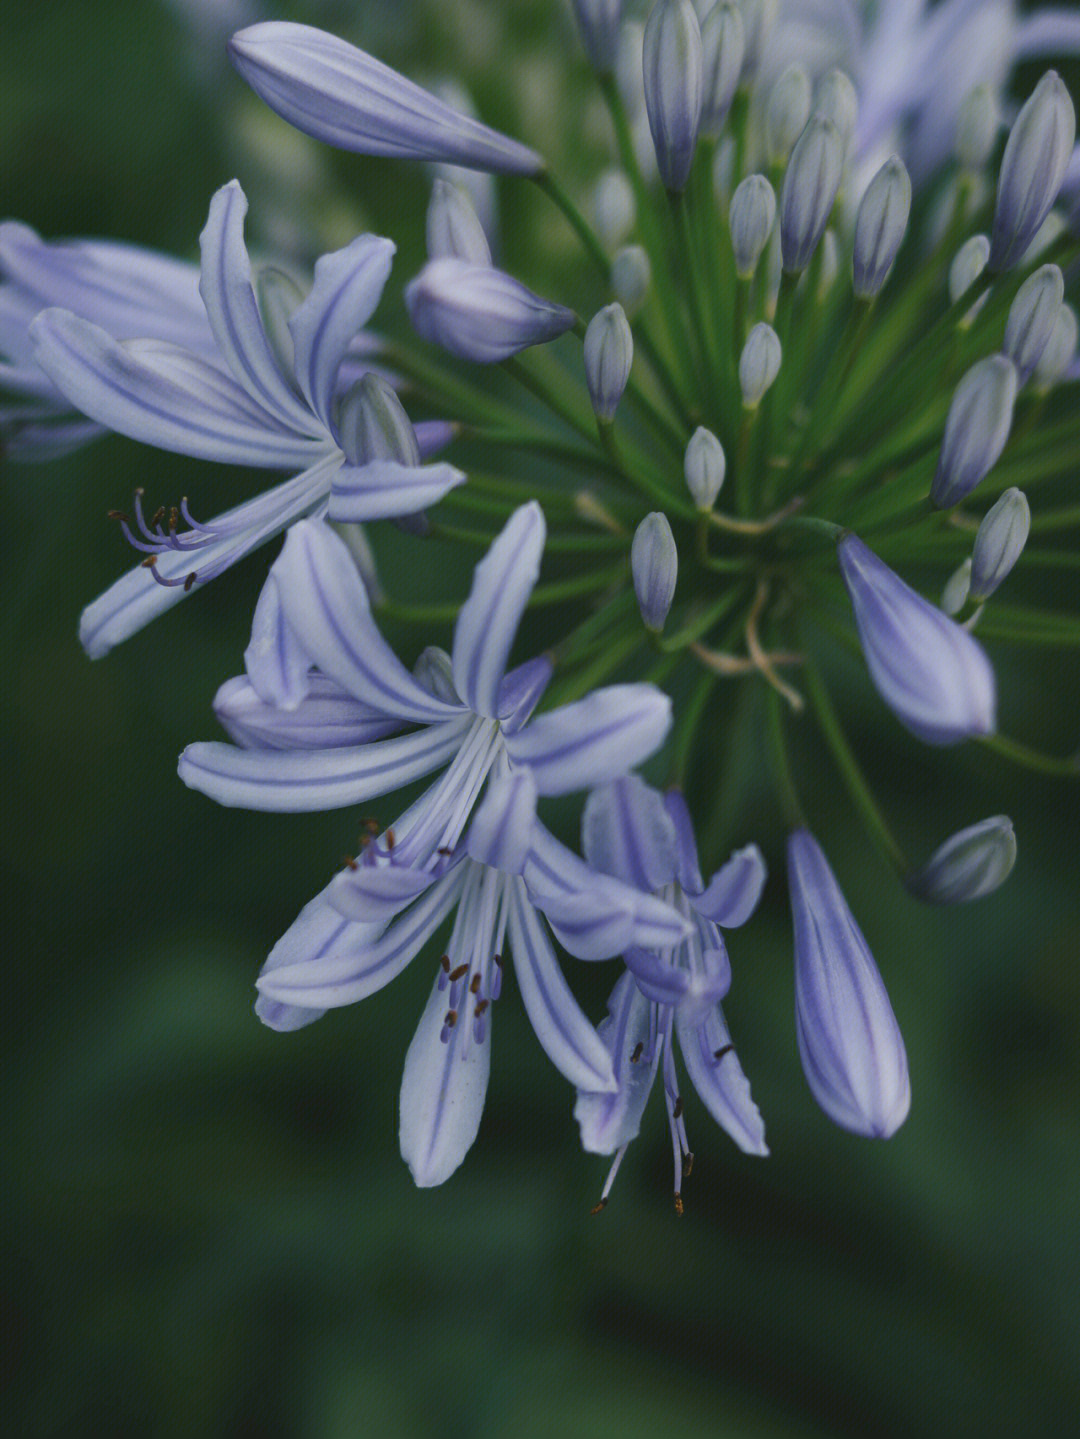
(1050, 520)
(782, 776)
(612, 615)
(848, 766)
(701, 302)
(743, 455)
(699, 625)
(643, 476)
(1021, 754)
(544, 392)
(535, 442)
(644, 342)
(588, 676)
(551, 187)
(837, 372)
(457, 397)
(687, 728)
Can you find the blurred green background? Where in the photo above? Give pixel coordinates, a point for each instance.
(210, 1231)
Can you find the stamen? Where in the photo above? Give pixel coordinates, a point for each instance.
(459, 972)
(687, 1164)
(481, 1006)
(474, 984)
(678, 1205)
(676, 1110)
(350, 862)
(718, 1054)
(496, 978)
(609, 1181)
(637, 1051)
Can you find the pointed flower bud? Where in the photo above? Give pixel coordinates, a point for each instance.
(967, 265)
(1060, 349)
(479, 313)
(1032, 317)
(957, 588)
(454, 231)
(976, 430)
(374, 426)
(850, 1044)
(751, 217)
(837, 101)
(759, 364)
(613, 207)
(787, 113)
(972, 863)
(723, 46)
(931, 673)
(631, 275)
(338, 94)
(880, 227)
(977, 127)
(609, 353)
(654, 565)
(760, 20)
(809, 191)
(672, 67)
(705, 465)
(599, 21)
(1036, 154)
(999, 542)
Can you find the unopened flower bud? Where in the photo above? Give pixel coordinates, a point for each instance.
(957, 588)
(836, 101)
(976, 429)
(705, 466)
(723, 46)
(967, 265)
(760, 19)
(972, 863)
(880, 227)
(759, 364)
(454, 230)
(278, 297)
(1060, 349)
(599, 21)
(374, 426)
(479, 313)
(977, 128)
(1032, 317)
(613, 207)
(609, 353)
(787, 112)
(809, 191)
(654, 566)
(999, 542)
(751, 217)
(1037, 151)
(631, 275)
(672, 62)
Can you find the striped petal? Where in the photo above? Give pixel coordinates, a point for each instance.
(608, 1121)
(593, 739)
(720, 1082)
(326, 718)
(734, 890)
(384, 489)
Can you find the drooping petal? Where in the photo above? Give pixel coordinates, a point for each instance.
(521, 691)
(327, 606)
(348, 286)
(593, 739)
(488, 621)
(608, 1121)
(299, 781)
(276, 663)
(626, 832)
(385, 490)
(341, 96)
(327, 718)
(376, 894)
(720, 1082)
(734, 890)
(442, 1095)
(501, 829)
(566, 1036)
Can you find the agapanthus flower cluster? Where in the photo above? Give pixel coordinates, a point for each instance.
(816, 383)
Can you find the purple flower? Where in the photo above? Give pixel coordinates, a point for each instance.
(931, 673)
(599, 22)
(237, 406)
(479, 313)
(850, 1044)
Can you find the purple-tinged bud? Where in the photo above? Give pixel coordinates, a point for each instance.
(454, 231)
(373, 425)
(850, 1044)
(931, 673)
(999, 542)
(967, 265)
(613, 207)
(977, 127)
(837, 101)
(957, 588)
(599, 22)
(723, 48)
(705, 465)
(609, 354)
(972, 863)
(880, 226)
(976, 430)
(671, 65)
(759, 17)
(479, 313)
(1059, 352)
(787, 113)
(751, 218)
(631, 276)
(811, 182)
(1036, 155)
(1032, 317)
(654, 565)
(759, 364)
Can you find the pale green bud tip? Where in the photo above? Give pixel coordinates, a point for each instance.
(705, 466)
(609, 354)
(751, 217)
(1032, 317)
(977, 127)
(759, 364)
(787, 112)
(880, 227)
(999, 542)
(957, 588)
(631, 275)
(654, 566)
(973, 863)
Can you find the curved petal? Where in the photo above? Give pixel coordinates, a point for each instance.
(566, 1036)
(376, 894)
(594, 739)
(162, 395)
(521, 691)
(233, 312)
(297, 781)
(626, 832)
(348, 287)
(384, 489)
(327, 718)
(501, 829)
(327, 606)
(734, 890)
(721, 1083)
(275, 661)
(488, 621)
(1052, 31)
(687, 868)
(608, 1121)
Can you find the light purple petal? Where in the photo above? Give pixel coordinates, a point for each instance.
(687, 868)
(376, 894)
(593, 739)
(626, 832)
(521, 691)
(488, 621)
(608, 1121)
(479, 313)
(276, 663)
(721, 1084)
(1054, 31)
(734, 890)
(384, 489)
(327, 718)
(501, 829)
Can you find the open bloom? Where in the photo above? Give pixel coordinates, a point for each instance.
(646, 839)
(239, 406)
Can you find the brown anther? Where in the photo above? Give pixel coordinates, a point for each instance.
(474, 984)
(119, 515)
(149, 562)
(174, 518)
(451, 1018)
(444, 850)
(391, 839)
(350, 863)
(676, 1109)
(724, 1049)
(445, 963)
(139, 491)
(365, 840)
(638, 1049)
(372, 826)
(459, 973)
(687, 1164)
(481, 1007)
(498, 960)
(158, 515)
(190, 581)
(597, 1207)
(678, 1205)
